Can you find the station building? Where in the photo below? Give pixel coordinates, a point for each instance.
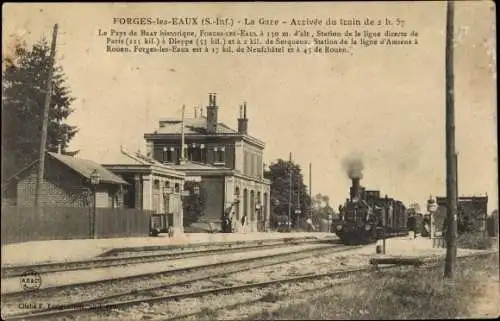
(227, 163)
(152, 186)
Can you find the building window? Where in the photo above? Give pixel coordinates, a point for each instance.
(219, 155)
(195, 152)
(168, 154)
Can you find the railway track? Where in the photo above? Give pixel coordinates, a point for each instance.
(44, 268)
(165, 293)
(430, 263)
(146, 285)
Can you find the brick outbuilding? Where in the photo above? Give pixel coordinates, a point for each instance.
(66, 183)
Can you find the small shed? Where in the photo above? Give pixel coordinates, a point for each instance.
(66, 183)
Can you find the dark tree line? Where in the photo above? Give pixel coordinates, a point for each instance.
(24, 83)
(279, 175)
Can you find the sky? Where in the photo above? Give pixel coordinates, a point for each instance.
(384, 105)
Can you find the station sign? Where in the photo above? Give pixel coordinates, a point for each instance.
(193, 179)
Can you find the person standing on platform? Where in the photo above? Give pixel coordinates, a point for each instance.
(243, 223)
(310, 225)
(411, 224)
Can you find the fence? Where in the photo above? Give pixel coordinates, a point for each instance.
(20, 224)
(120, 222)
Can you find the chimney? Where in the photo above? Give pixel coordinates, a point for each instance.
(355, 189)
(212, 114)
(243, 121)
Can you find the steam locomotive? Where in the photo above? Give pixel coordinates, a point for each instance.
(366, 217)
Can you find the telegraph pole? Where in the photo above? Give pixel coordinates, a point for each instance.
(456, 179)
(299, 208)
(290, 192)
(45, 123)
(182, 159)
(451, 173)
(310, 189)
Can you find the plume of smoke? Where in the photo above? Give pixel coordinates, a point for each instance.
(353, 167)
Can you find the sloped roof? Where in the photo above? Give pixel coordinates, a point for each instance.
(129, 158)
(133, 159)
(191, 126)
(85, 167)
(140, 159)
(190, 165)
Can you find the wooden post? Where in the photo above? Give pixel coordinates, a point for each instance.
(45, 122)
(310, 190)
(310, 203)
(182, 158)
(451, 187)
(94, 207)
(290, 199)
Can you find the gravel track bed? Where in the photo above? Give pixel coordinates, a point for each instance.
(193, 305)
(206, 304)
(76, 294)
(268, 298)
(199, 248)
(272, 299)
(137, 257)
(251, 301)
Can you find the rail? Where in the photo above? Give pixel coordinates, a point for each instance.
(240, 266)
(65, 310)
(100, 262)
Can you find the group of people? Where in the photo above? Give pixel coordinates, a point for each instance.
(156, 230)
(227, 223)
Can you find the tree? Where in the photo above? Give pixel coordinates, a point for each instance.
(321, 209)
(279, 175)
(415, 207)
(23, 94)
(492, 224)
(194, 203)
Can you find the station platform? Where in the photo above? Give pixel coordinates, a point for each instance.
(37, 252)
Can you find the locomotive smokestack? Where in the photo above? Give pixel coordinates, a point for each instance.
(354, 168)
(355, 188)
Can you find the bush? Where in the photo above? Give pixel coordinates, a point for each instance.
(476, 241)
(492, 224)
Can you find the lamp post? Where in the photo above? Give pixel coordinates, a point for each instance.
(258, 208)
(298, 213)
(276, 203)
(167, 190)
(95, 178)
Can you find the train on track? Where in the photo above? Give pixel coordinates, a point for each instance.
(367, 217)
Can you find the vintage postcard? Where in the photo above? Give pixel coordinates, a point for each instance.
(249, 160)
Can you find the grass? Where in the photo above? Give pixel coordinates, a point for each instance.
(477, 241)
(406, 293)
(271, 297)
